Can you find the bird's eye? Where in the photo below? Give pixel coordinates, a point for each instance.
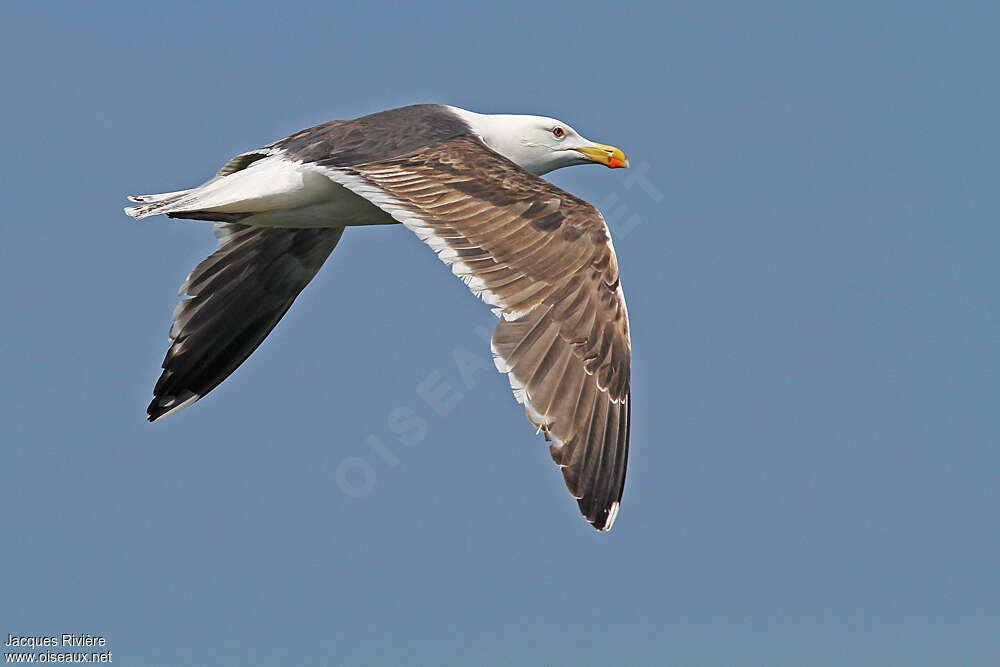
(558, 132)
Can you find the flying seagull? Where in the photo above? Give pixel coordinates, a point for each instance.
(468, 185)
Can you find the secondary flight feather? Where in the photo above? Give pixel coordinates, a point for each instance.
(466, 184)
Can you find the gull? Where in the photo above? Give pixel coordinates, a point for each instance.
(469, 186)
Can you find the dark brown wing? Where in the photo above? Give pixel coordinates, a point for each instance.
(544, 258)
(237, 295)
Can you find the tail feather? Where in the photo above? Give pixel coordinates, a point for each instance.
(147, 199)
(266, 184)
(155, 204)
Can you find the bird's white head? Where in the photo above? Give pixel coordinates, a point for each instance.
(539, 144)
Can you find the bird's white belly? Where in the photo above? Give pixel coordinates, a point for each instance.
(275, 192)
(341, 209)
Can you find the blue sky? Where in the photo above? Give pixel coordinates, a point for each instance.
(808, 245)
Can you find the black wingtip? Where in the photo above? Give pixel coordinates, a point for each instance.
(604, 519)
(164, 405)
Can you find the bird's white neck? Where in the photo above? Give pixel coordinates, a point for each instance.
(499, 132)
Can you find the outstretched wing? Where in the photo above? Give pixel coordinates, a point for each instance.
(544, 259)
(236, 296)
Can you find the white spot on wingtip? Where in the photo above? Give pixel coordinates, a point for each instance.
(612, 515)
(170, 400)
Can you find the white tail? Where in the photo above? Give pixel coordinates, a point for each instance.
(147, 199)
(268, 184)
(154, 205)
